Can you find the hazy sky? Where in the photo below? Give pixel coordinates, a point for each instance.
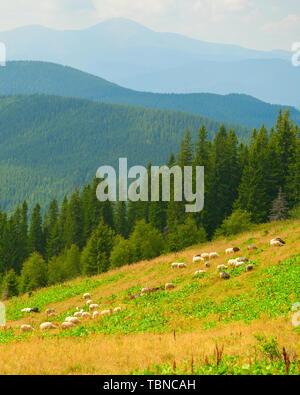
(262, 24)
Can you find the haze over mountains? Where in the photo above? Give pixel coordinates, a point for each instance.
(52, 79)
(134, 56)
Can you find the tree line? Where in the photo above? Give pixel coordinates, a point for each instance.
(244, 185)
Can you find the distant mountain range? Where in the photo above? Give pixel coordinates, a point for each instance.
(49, 144)
(52, 79)
(134, 56)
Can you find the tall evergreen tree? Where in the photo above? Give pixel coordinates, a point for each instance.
(36, 237)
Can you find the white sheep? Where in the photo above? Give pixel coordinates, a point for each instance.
(74, 320)
(242, 259)
(67, 325)
(169, 286)
(93, 307)
(174, 265)
(78, 314)
(146, 290)
(205, 255)
(213, 255)
(88, 302)
(232, 250)
(26, 328)
(198, 258)
(95, 315)
(182, 266)
(222, 267)
(86, 315)
(231, 262)
(278, 242)
(47, 325)
(117, 309)
(86, 296)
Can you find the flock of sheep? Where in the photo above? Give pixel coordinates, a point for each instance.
(232, 263)
(73, 321)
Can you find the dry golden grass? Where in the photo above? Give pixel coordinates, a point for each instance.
(121, 354)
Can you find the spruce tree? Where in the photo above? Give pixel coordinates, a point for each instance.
(36, 237)
(279, 210)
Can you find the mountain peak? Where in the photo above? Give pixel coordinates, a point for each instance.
(120, 25)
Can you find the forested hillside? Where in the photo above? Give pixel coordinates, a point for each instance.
(50, 144)
(244, 185)
(53, 79)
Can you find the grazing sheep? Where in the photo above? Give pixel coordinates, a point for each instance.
(26, 328)
(93, 307)
(146, 290)
(88, 302)
(47, 325)
(30, 310)
(117, 309)
(231, 262)
(242, 259)
(198, 258)
(207, 264)
(251, 248)
(78, 314)
(222, 267)
(174, 265)
(86, 315)
(182, 266)
(249, 268)
(74, 320)
(52, 315)
(205, 255)
(213, 255)
(224, 276)
(169, 286)
(95, 315)
(278, 242)
(86, 296)
(67, 325)
(106, 312)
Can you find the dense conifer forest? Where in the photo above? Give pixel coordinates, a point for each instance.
(51, 144)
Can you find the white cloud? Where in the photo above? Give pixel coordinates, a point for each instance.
(289, 22)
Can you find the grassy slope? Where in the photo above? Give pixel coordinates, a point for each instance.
(203, 311)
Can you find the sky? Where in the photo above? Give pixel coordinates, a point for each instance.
(260, 24)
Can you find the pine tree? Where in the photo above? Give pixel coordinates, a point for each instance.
(279, 210)
(95, 256)
(11, 284)
(36, 237)
(74, 225)
(121, 219)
